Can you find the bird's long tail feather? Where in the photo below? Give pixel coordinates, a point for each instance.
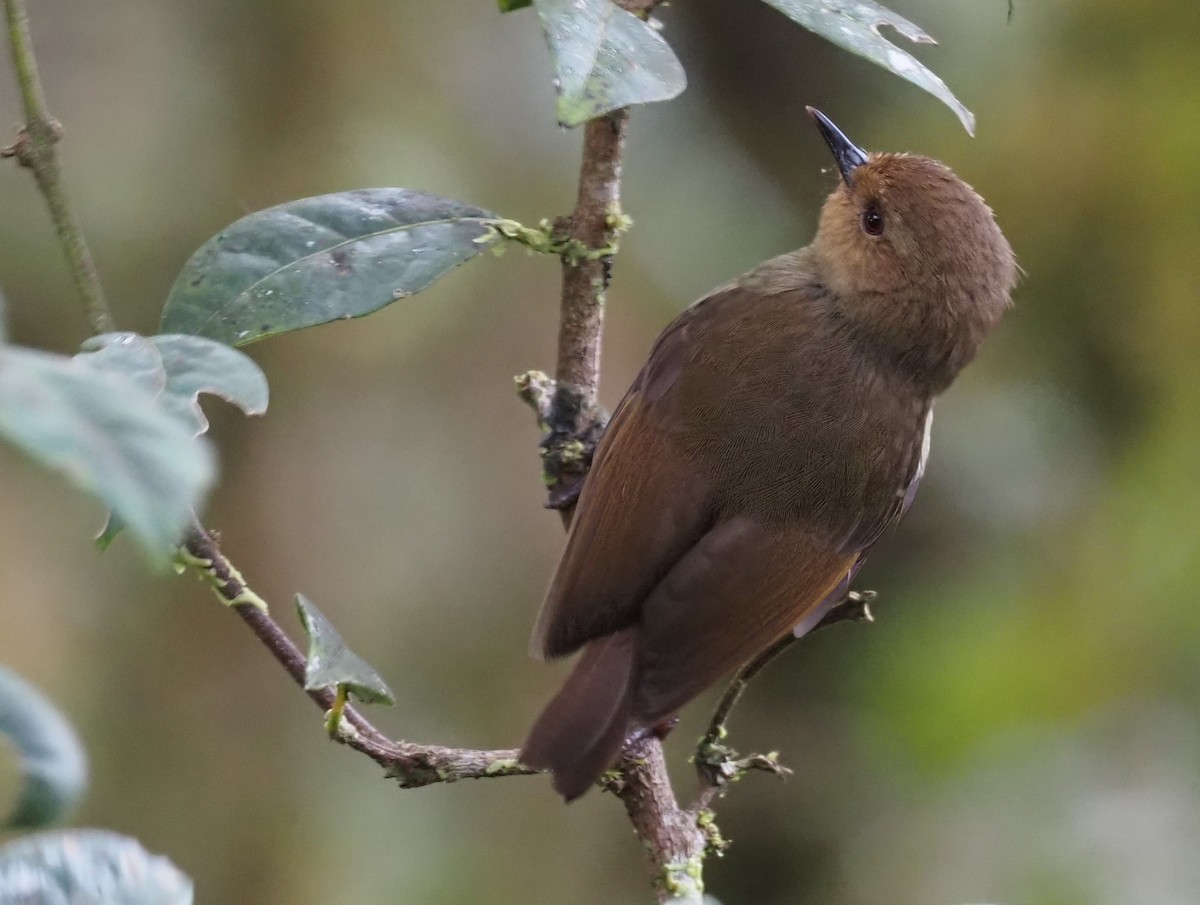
(580, 733)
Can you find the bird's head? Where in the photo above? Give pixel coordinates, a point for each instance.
(912, 251)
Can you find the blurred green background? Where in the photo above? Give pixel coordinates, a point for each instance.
(1019, 726)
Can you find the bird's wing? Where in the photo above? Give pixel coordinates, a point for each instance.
(743, 586)
(644, 503)
(865, 534)
(870, 528)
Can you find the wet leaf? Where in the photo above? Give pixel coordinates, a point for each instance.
(331, 663)
(855, 24)
(321, 259)
(507, 6)
(605, 58)
(126, 355)
(52, 762)
(88, 867)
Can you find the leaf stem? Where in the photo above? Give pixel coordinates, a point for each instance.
(335, 714)
(35, 148)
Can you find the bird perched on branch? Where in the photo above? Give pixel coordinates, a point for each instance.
(779, 426)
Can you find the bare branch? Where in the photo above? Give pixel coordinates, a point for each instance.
(593, 225)
(35, 149)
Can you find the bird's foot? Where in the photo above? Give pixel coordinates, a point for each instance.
(719, 765)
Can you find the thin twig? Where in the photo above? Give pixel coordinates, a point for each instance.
(34, 148)
(717, 763)
(411, 765)
(854, 607)
(733, 693)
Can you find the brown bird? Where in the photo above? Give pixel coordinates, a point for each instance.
(779, 426)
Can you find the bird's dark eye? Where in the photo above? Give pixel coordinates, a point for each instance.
(872, 222)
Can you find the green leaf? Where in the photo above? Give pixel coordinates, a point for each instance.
(53, 764)
(107, 433)
(605, 58)
(321, 259)
(88, 867)
(126, 355)
(196, 365)
(112, 529)
(855, 24)
(177, 368)
(507, 6)
(332, 664)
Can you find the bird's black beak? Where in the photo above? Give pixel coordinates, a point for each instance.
(847, 154)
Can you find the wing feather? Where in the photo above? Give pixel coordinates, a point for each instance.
(642, 506)
(743, 586)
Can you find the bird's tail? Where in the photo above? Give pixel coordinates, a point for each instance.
(581, 732)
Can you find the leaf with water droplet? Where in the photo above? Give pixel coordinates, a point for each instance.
(605, 58)
(321, 259)
(127, 354)
(854, 25)
(177, 368)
